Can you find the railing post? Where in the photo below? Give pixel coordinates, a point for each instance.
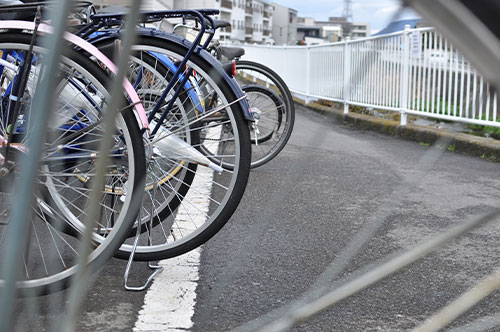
(308, 74)
(347, 74)
(405, 75)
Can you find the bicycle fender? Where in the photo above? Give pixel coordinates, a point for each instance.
(86, 46)
(212, 61)
(147, 32)
(106, 44)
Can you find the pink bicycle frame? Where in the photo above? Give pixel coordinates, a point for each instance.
(77, 41)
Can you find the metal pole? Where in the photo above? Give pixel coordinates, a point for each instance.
(81, 278)
(22, 196)
(405, 75)
(347, 74)
(308, 74)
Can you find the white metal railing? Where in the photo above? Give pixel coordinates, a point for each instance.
(415, 71)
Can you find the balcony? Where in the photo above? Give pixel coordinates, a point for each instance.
(248, 11)
(266, 32)
(267, 14)
(248, 31)
(226, 4)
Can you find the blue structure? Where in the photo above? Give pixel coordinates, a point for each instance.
(398, 26)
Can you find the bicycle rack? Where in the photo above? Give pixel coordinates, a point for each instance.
(157, 268)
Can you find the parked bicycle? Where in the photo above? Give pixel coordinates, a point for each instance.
(271, 102)
(187, 113)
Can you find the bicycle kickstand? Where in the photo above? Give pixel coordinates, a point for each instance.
(157, 269)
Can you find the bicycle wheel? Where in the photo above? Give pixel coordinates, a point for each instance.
(268, 111)
(186, 203)
(151, 76)
(252, 73)
(67, 168)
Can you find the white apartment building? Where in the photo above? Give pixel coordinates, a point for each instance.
(146, 4)
(284, 25)
(360, 30)
(251, 20)
(256, 17)
(336, 28)
(305, 21)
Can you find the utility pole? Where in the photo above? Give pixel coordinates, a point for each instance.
(347, 13)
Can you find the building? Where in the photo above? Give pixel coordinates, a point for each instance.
(146, 4)
(338, 28)
(251, 20)
(309, 35)
(360, 30)
(284, 25)
(305, 21)
(332, 33)
(268, 23)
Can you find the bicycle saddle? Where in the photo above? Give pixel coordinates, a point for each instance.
(232, 52)
(221, 24)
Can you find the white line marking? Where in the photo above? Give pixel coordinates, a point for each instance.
(169, 302)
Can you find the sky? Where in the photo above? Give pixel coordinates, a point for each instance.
(376, 12)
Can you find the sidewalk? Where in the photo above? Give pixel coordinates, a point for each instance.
(482, 147)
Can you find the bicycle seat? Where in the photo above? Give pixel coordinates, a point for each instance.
(232, 52)
(221, 24)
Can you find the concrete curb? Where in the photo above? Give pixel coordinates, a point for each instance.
(458, 142)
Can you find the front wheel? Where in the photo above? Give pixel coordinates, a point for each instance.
(59, 204)
(184, 206)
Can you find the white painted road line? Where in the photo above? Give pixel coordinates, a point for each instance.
(169, 302)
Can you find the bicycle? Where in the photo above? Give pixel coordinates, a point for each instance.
(69, 157)
(206, 109)
(274, 122)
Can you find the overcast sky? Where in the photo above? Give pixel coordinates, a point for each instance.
(376, 12)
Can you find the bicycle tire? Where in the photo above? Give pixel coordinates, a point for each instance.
(175, 118)
(267, 109)
(174, 238)
(263, 75)
(51, 231)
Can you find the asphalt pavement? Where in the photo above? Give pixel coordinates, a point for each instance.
(302, 226)
(329, 188)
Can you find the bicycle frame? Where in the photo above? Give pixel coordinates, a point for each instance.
(147, 32)
(95, 36)
(82, 44)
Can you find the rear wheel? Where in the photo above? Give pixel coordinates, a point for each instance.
(252, 73)
(268, 112)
